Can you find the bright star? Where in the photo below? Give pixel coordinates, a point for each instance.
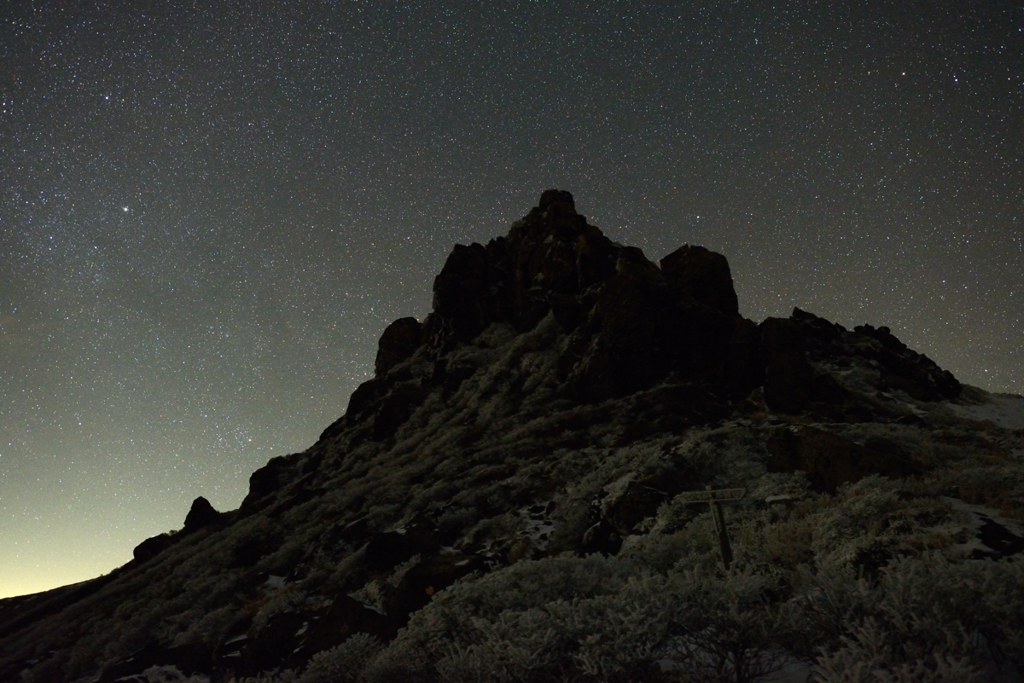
(125, 209)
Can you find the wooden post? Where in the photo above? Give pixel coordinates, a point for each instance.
(715, 500)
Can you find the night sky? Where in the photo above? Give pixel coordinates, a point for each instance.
(209, 215)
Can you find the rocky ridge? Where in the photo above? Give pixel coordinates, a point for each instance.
(561, 395)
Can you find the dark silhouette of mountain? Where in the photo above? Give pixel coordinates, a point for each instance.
(521, 493)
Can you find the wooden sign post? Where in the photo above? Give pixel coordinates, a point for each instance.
(715, 499)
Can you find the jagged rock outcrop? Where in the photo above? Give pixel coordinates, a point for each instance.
(801, 355)
(624, 323)
(561, 395)
(201, 514)
(153, 546)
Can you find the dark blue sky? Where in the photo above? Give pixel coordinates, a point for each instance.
(208, 214)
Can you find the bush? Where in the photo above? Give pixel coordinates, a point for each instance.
(342, 663)
(928, 619)
(595, 619)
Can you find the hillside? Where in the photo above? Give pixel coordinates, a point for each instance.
(520, 494)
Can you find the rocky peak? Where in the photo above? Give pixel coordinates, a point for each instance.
(558, 200)
(620, 324)
(562, 395)
(551, 253)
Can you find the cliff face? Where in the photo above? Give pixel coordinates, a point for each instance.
(532, 442)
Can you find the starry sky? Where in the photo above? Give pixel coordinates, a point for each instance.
(210, 211)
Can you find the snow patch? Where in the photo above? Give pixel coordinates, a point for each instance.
(1005, 410)
(980, 517)
(916, 410)
(165, 674)
(274, 582)
(537, 524)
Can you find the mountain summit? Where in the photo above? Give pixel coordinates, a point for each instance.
(587, 466)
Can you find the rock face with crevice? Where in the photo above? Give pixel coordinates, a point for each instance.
(560, 395)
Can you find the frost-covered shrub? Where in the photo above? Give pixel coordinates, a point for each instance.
(457, 520)
(209, 628)
(282, 560)
(876, 519)
(286, 676)
(287, 599)
(795, 485)
(342, 663)
(372, 594)
(171, 674)
(458, 619)
(829, 601)
(926, 619)
(785, 544)
(998, 486)
(734, 627)
(596, 618)
(516, 646)
(861, 511)
(869, 656)
(697, 545)
(724, 455)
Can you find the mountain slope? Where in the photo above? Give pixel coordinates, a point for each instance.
(505, 501)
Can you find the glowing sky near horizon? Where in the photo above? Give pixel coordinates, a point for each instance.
(208, 214)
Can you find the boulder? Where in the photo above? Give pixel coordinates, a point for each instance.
(560, 200)
(273, 644)
(630, 323)
(387, 549)
(200, 515)
(1000, 541)
(345, 617)
(552, 253)
(399, 341)
(362, 400)
(790, 383)
(791, 348)
(629, 502)
(423, 580)
(396, 408)
(153, 546)
(602, 538)
(830, 460)
(701, 275)
(268, 481)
